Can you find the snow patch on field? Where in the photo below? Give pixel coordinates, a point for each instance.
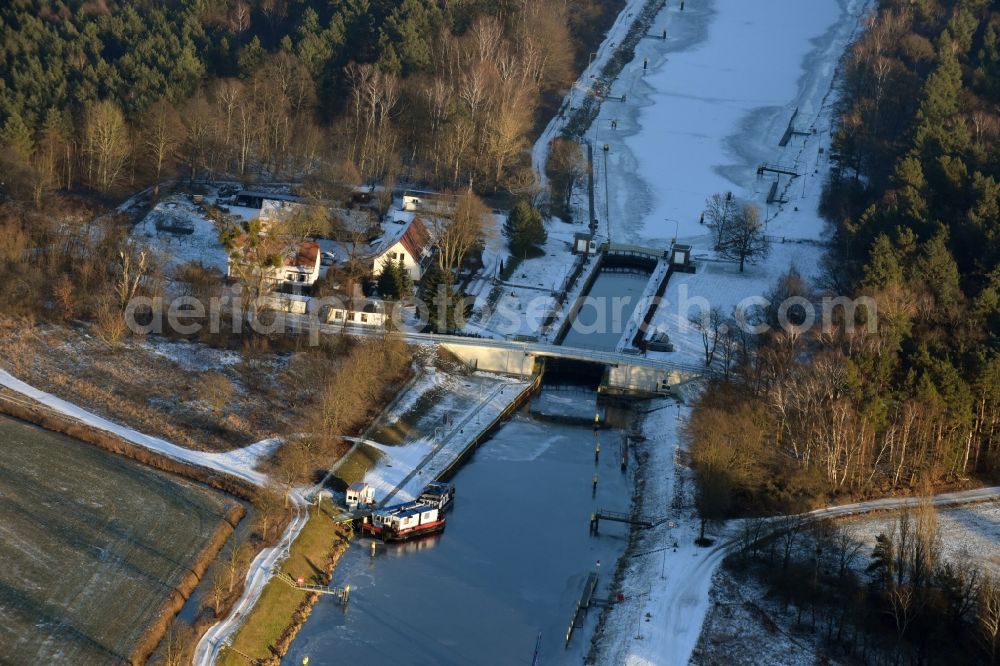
(240, 463)
(178, 231)
(967, 532)
(191, 355)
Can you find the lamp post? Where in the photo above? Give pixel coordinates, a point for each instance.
(663, 565)
(677, 226)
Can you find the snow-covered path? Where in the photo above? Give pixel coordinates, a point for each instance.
(258, 575)
(581, 90)
(240, 463)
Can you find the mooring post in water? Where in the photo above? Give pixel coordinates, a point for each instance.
(373, 548)
(597, 420)
(593, 492)
(594, 522)
(597, 452)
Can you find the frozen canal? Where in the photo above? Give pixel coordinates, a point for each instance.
(510, 566)
(607, 309)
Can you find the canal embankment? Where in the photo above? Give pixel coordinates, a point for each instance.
(508, 572)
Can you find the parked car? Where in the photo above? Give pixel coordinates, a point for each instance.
(327, 259)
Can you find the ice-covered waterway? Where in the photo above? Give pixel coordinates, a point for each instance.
(607, 309)
(510, 565)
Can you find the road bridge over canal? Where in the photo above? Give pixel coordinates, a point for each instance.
(623, 372)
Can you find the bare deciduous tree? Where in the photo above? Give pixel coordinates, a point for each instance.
(106, 144)
(456, 237)
(721, 210)
(743, 239)
(162, 135)
(712, 326)
(988, 616)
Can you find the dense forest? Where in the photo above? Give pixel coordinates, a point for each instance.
(110, 94)
(904, 392)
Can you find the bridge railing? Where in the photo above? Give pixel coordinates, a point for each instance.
(621, 248)
(539, 348)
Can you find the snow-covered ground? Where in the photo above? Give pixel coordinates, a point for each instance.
(240, 463)
(966, 532)
(667, 577)
(748, 619)
(178, 231)
(462, 407)
(704, 108)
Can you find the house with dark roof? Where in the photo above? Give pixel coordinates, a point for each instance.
(409, 242)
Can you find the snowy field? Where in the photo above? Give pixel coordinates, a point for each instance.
(970, 533)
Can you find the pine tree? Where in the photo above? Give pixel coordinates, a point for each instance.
(524, 228)
(439, 299)
(940, 128)
(404, 281)
(883, 268)
(937, 267)
(389, 281)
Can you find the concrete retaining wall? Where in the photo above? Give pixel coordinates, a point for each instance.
(491, 359)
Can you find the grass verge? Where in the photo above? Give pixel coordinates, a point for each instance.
(282, 610)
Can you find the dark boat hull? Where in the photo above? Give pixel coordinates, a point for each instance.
(390, 536)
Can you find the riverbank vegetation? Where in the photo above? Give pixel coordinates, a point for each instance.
(904, 391)
(281, 611)
(824, 592)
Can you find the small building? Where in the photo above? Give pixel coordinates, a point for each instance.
(302, 264)
(255, 199)
(430, 202)
(680, 258)
(369, 315)
(360, 494)
(584, 244)
(409, 242)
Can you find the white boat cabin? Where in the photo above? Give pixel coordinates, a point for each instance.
(360, 494)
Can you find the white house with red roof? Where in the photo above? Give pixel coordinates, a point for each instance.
(406, 241)
(299, 263)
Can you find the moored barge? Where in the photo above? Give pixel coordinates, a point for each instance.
(403, 521)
